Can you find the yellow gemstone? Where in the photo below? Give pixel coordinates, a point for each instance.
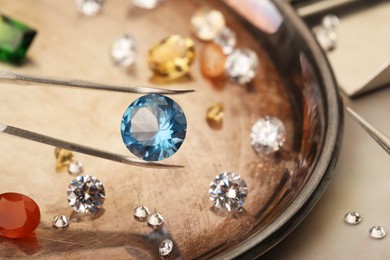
(172, 57)
(214, 116)
(63, 157)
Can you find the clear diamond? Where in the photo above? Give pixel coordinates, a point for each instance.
(206, 23)
(330, 21)
(155, 221)
(75, 168)
(90, 7)
(166, 247)
(228, 191)
(153, 127)
(377, 232)
(242, 65)
(147, 4)
(141, 213)
(327, 39)
(352, 218)
(268, 135)
(226, 38)
(60, 221)
(86, 194)
(124, 50)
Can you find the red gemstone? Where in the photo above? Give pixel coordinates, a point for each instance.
(19, 215)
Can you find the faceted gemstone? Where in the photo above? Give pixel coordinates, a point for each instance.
(228, 191)
(153, 127)
(226, 38)
(268, 135)
(213, 61)
(60, 222)
(147, 4)
(377, 232)
(86, 194)
(352, 218)
(75, 168)
(63, 157)
(330, 21)
(327, 39)
(214, 116)
(141, 213)
(206, 23)
(124, 50)
(242, 65)
(166, 247)
(89, 7)
(155, 221)
(19, 215)
(172, 57)
(15, 39)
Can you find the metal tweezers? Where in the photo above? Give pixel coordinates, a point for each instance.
(22, 79)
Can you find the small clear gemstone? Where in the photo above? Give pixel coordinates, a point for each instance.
(352, 218)
(90, 7)
(60, 221)
(141, 213)
(226, 38)
(155, 221)
(268, 135)
(330, 21)
(124, 50)
(327, 39)
(75, 168)
(242, 65)
(153, 127)
(377, 232)
(147, 4)
(166, 247)
(206, 23)
(86, 194)
(228, 191)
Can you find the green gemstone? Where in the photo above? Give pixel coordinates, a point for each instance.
(15, 38)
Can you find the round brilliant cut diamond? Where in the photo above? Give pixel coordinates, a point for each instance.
(241, 65)
(60, 222)
(155, 221)
(124, 50)
(141, 213)
(206, 23)
(377, 232)
(352, 218)
(268, 135)
(226, 38)
(166, 247)
(90, 7)
(147, 4)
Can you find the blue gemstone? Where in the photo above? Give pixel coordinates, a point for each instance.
(153, 127)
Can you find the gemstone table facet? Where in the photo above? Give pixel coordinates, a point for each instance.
(153, 127)
(19, 215)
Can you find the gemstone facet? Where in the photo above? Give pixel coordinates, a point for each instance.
(63, 157)
(147, 4)
(352, 218)
(268, 135)
(86, 194)
(155, 221)
(124, 50)
(60, 222)
(213, 61)
(141, 213)
(15, 39)
(214, 116)
(75, 168)
(166, 247)
(19, 215)
(228, 191)
(377, 232)
(206, 23)
(153, 127)
(226, 38)
(242, 65)
(89, 7)
(172, 57)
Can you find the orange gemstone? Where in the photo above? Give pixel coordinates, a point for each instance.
(213, 61)
(19, 215)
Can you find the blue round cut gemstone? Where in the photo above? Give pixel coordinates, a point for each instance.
(153, 127)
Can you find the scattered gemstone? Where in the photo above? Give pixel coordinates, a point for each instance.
(60, 222)
(141, 213)
(352, 218)
(227, 39)
(147, 4)
(155, 221)
(89, 7)
(19, 215)
(153, 127)
(327, 39)
(63, 157)
(172, 57)
(86, 194)
(124, 50)
(330, 21)
(213, 61)
(75, 168)
(214, 116)
(206, 23)
(15, 39)
(166, 247)
(268, 135)
(377, 232)
(242, 65)
(228, 191)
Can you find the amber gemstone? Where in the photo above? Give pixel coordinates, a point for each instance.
(213, 61)
(63, 157)
(19, 215)
(214, 116)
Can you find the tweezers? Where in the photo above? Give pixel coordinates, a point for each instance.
(22, 79)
